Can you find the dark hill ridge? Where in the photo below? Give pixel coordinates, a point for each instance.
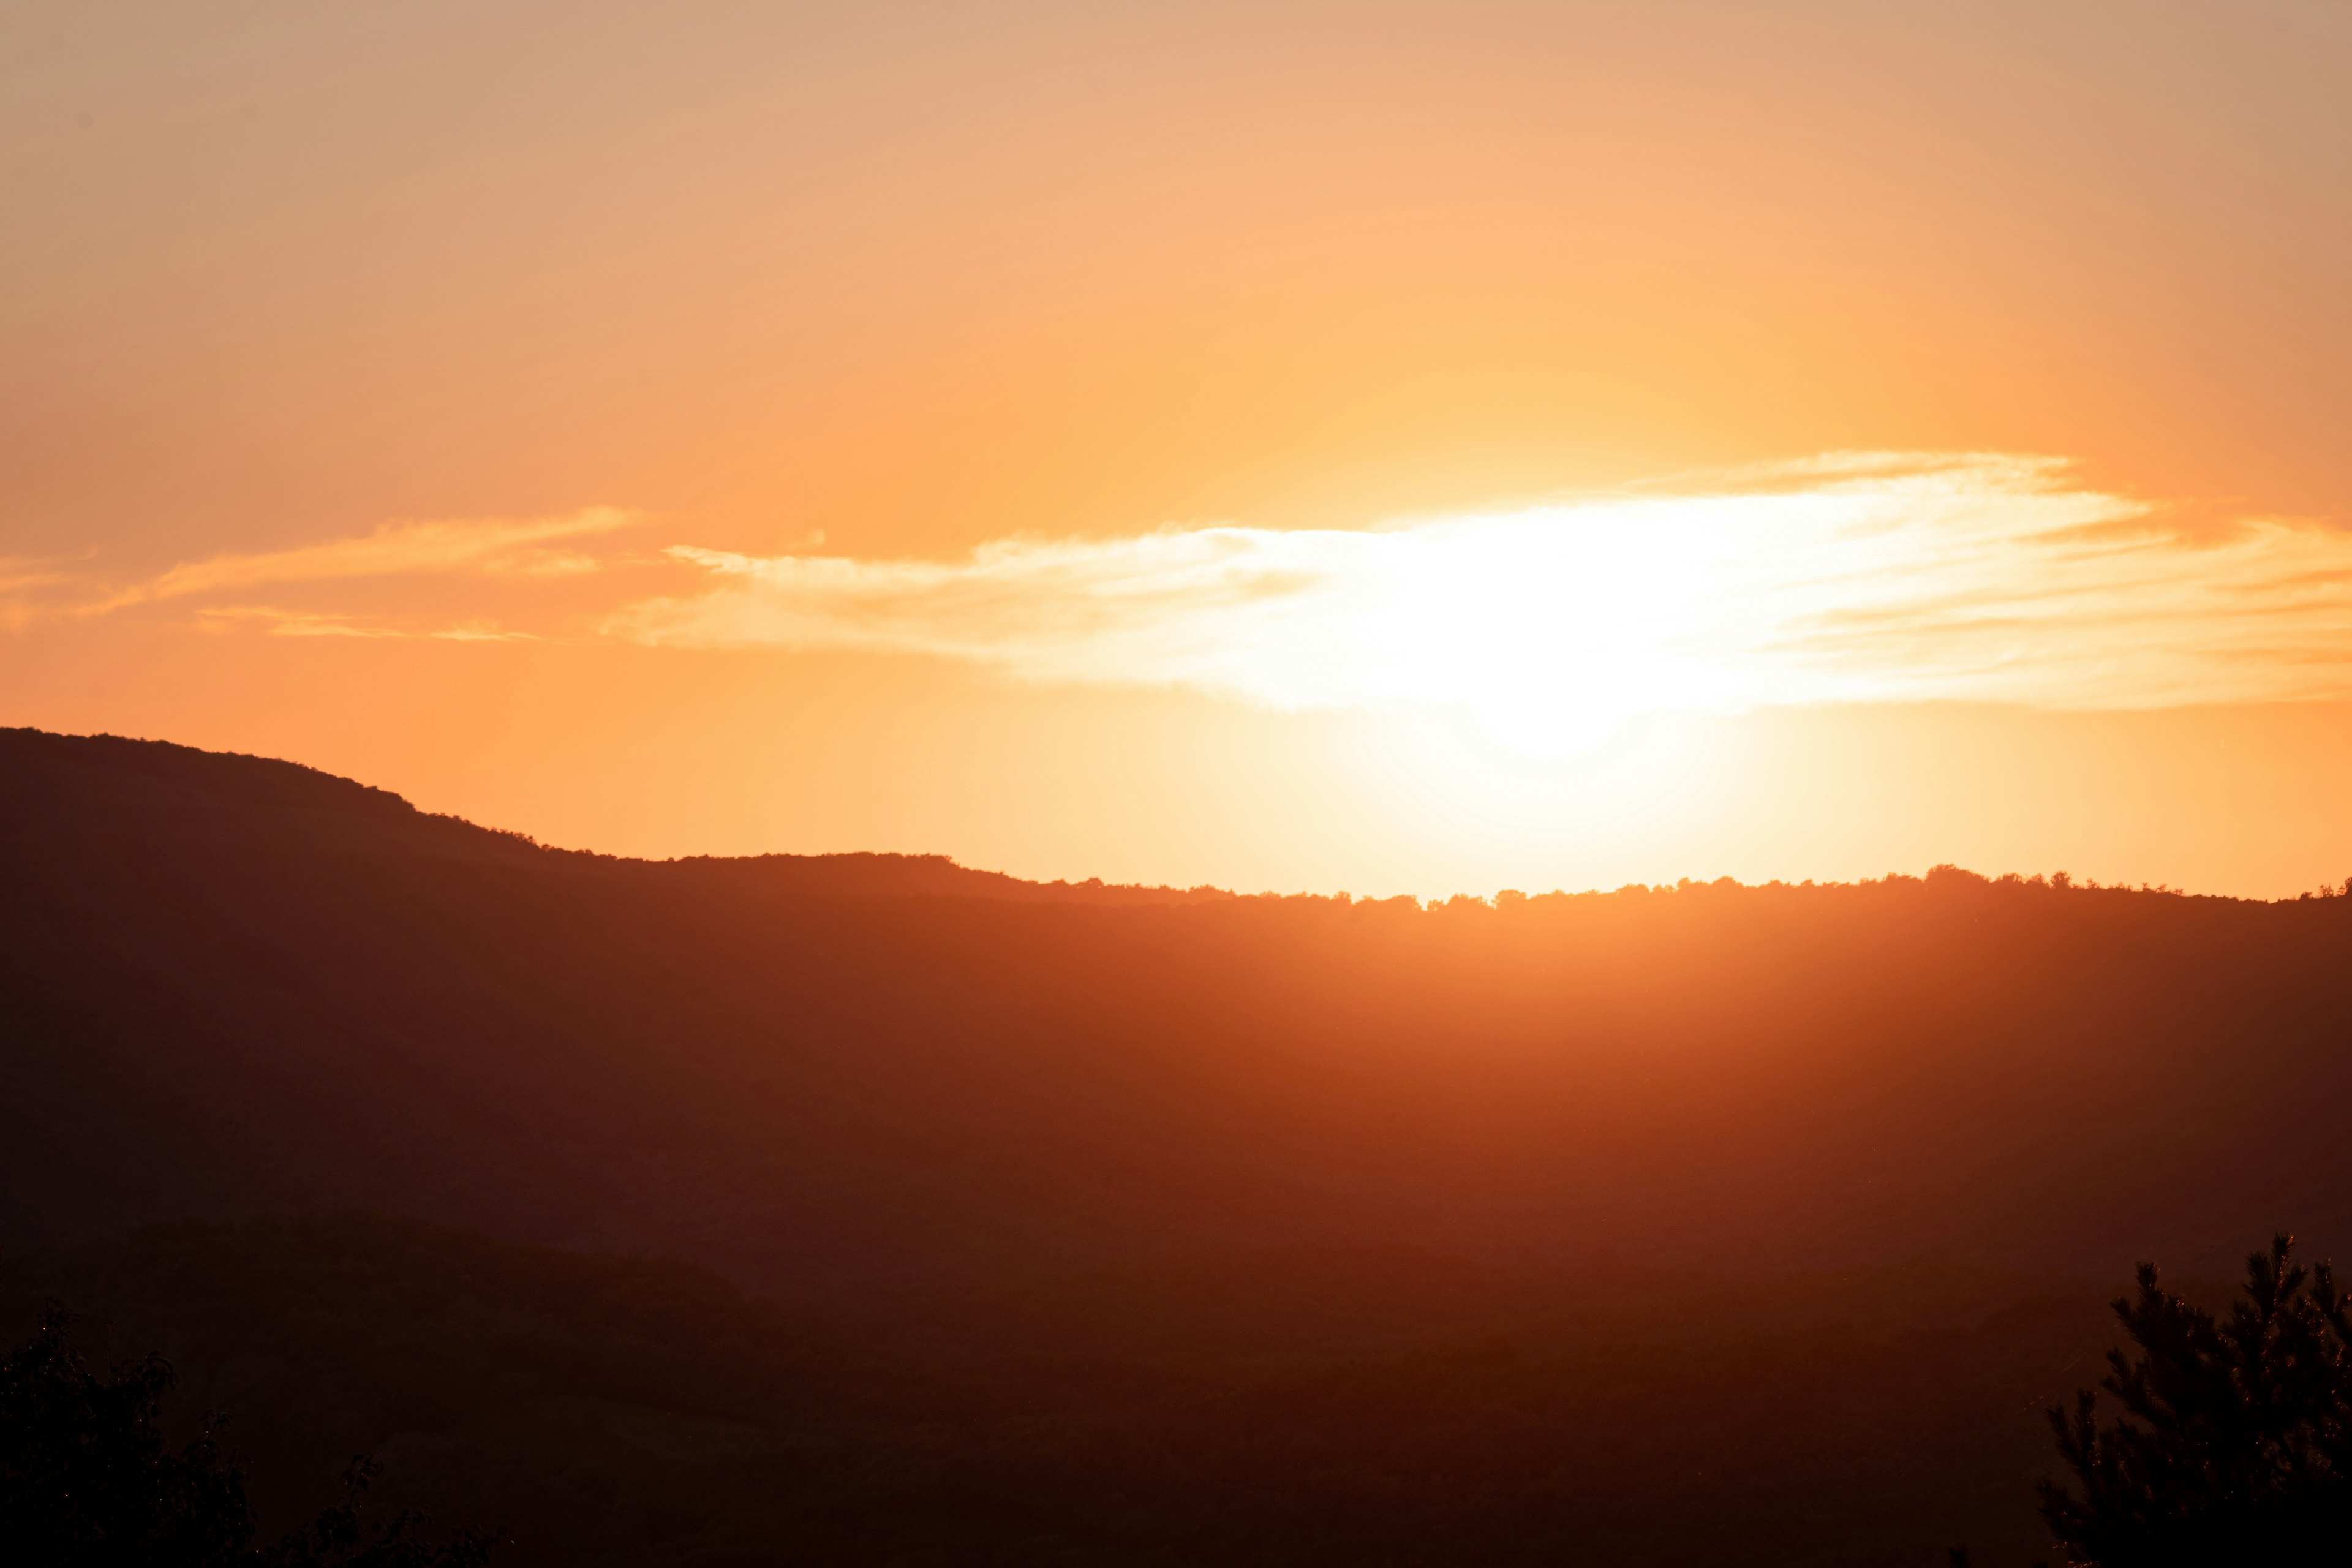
(107, 785)
(211, 1005)
(39, 770)
(1227, 1230)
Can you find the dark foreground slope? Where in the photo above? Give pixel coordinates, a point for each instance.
(614, 1412)
(1322, 1149)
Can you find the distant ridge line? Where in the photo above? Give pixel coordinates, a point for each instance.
(60, 781)
(104, 783)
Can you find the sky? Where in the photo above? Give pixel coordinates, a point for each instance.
(1382, 448)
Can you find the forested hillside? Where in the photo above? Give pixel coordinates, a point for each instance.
(1136, 1221)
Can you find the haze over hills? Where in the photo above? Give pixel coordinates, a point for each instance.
(1234, 1146)
(235, 983)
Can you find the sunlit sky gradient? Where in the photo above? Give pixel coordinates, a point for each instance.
(1400, 449)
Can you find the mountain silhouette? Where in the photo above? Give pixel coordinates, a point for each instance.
(1247, 1142)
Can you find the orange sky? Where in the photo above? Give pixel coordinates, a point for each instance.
(361, 368)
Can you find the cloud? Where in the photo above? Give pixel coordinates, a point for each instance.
(22, 580)
(19, 572)
(397, 549)
(1851, 577)
(280, 623)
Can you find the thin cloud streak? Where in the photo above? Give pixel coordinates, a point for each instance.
(272, 621)
(17, 573)
(1853, 577)
(21, 580)
(497, 545)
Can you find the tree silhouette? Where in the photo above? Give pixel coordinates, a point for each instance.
(87, 1481)
(86, 1477)
(346, 1536)
(2233, 1446)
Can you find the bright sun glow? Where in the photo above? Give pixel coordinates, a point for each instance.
(1871, 578)
(1857, 578)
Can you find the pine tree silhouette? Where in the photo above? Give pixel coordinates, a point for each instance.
(87, 1481)
(2234, 1444)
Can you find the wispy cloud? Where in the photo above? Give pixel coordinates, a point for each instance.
(1850, 577)
(27, 585)
(272, 621)
(18, 573)
(507, 545)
